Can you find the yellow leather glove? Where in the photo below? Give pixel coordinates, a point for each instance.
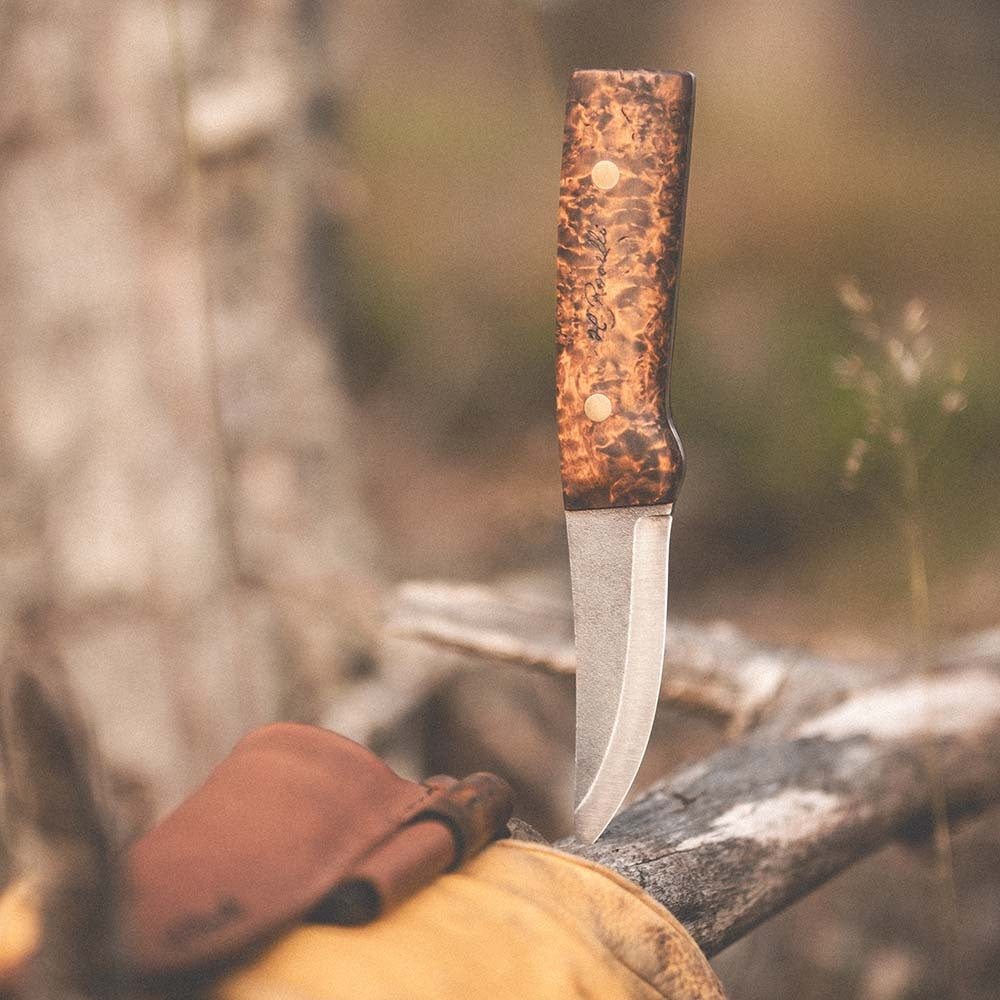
(520, 920)
(20, 930)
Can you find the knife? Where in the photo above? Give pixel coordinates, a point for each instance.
(626, 151)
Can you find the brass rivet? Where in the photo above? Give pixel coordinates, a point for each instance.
(597, 407)
(605, 175)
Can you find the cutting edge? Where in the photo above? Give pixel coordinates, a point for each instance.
(628, 654)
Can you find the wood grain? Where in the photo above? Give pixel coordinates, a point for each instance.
(618, 261)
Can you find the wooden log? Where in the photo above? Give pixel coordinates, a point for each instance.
(731, 840)
(712, 668)
(832, 763)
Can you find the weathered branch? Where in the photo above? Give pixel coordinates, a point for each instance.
(833, 769)
(730, 841)
(712, 668)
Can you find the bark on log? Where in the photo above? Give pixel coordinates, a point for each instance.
(713, 668)
(433, 628)
(834, 768)
(727, 843)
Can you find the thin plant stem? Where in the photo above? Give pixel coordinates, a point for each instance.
(920, 621)
(890, 376)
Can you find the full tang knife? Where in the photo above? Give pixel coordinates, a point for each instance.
(621, 214)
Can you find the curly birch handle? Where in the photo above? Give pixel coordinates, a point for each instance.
(621, 217)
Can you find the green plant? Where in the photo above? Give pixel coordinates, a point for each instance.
(907, 396)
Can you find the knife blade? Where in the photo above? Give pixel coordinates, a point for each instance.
(626, 151)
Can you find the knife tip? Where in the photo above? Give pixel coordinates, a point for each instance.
(586, 830)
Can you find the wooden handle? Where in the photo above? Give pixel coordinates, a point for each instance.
(621, 216)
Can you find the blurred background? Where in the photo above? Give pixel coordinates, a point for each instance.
(277, 333)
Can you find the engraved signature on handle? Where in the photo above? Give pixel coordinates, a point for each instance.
(598, 316)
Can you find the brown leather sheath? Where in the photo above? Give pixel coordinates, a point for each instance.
(297, 822)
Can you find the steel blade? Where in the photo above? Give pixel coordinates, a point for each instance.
(618, 569)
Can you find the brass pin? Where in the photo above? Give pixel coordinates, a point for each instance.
(597, 407)
(605, 175)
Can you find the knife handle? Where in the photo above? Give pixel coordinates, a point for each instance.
(626, 149)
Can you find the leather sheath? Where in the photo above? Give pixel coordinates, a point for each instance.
(296, 823)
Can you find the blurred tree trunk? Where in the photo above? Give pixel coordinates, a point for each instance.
(178, 506)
